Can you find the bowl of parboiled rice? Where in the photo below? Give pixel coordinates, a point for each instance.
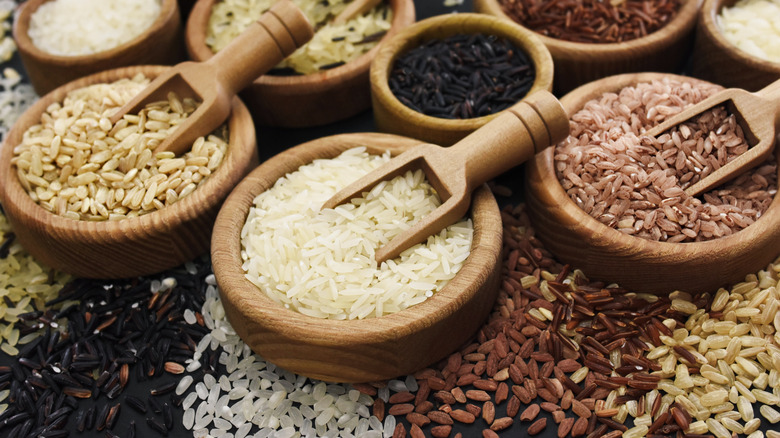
(612, 201)
(324, 81)
(301, 286)
(90, 198)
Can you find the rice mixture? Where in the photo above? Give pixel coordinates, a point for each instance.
(321, 262)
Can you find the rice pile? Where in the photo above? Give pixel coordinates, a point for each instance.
(332, 45)
(321, 263)
(78, 165)
(7, 44)
(84, 27)
(255, 397)
(753, 26)
(15, 96)
(636, 183)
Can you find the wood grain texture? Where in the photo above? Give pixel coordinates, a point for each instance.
(355, 350)
(162, 44)
(665, 50)
(130, 247)
(302, 100)
(717, 60)
(394, 117)
(642, 265)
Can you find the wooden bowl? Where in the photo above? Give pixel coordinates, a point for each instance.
(302, 100)
(353, 350)
(394, 117)
(161, 44)
(718, 60)
(633, 262)
(665, 50)
(129, 247)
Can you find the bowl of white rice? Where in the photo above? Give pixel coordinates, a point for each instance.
(738, 43)
(324, 81)
(301, 286)
(63, 40)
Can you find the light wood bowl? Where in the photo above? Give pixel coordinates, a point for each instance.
(718, 60)
(353, 350)
(161, 44)
(394, 117)
(641, 265)
(129, 247)
(302, 100)
(665, 50)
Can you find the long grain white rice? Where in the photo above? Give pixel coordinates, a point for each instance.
(321, 262)
(753, 26)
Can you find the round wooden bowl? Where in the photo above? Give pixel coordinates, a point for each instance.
(665, 50)
(134, 246)
(394, 117)
(354, 350)
(161, 44)
(718, 60)
(302, 100)
(604, 253)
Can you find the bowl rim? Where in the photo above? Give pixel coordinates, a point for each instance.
(169, 10)
(544, 164)
(227, 260)
(206, 195)
(411, 36)
(321, 80)
(708, 24)
(677, 26)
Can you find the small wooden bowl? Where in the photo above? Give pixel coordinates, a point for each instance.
(353, 350)
(161, 44)
(302, 100)
(135, 246)
(665, 50)
(718, 60)
(641, 265)
(394, 117)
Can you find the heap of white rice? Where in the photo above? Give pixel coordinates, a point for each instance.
(84, 27)
(754, 27)
(321, 262)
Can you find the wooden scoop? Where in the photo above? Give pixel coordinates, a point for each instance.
(513, 137)
(265, 43)
(758, 114)
(355, 8)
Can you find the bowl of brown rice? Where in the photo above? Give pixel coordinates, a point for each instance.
(91, 199)
(60, 41)
(300, 284)
(326, 80)
(612, 201)
(592, 39)
(737, 43)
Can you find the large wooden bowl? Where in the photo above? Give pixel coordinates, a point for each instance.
(639, 264)
(302, 100)
(353, 350)
(129, 247)
(718, 60)
(394, 117)
(161, 43)
(664, 50)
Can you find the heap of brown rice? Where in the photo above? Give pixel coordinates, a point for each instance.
(321, 262)
(636, 183)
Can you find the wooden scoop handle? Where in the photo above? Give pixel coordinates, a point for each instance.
(267, 41)
(355, 8)
(512, 138)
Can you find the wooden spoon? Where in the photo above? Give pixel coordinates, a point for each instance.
(357, 7)
(758, 113)
(513, 137)
(265, 43)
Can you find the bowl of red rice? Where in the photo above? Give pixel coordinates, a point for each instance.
(612, 201)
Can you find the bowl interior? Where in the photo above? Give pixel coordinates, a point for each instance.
(287, 337)
(709, 20)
